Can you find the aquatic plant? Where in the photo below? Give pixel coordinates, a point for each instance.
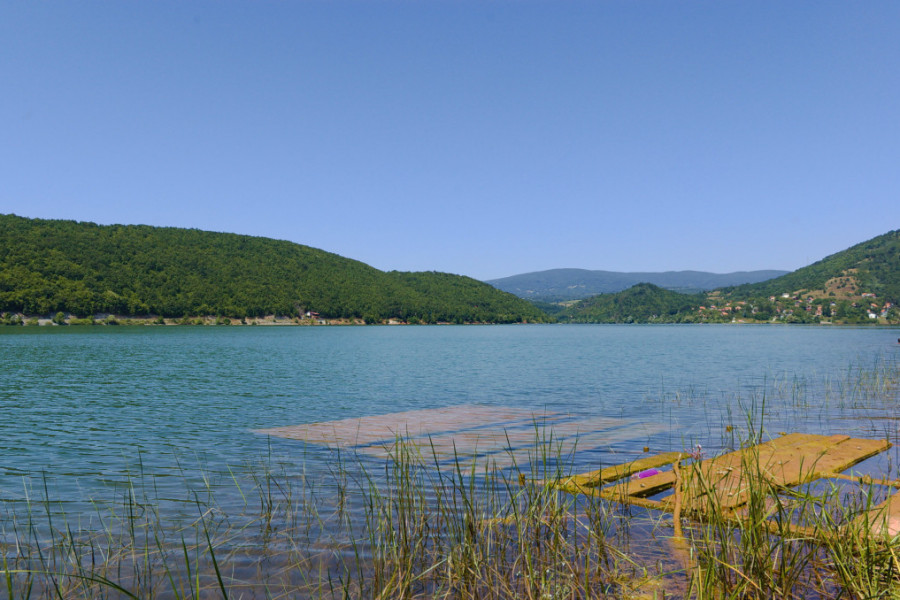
(419, 526)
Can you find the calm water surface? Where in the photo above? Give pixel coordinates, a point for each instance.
(84, 408)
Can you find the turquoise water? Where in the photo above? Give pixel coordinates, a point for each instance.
(86, 408)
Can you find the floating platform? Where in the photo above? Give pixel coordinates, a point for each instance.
(488, 437)
(723, 484)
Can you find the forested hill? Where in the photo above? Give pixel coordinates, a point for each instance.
(860, 285)
(872, 267)
(642, 303)
(85, 269)
(560, 285)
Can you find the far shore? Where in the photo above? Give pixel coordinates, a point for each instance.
(155, 320)
(105, 319)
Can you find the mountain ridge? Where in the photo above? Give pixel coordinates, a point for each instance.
(873, 265)
(566, 284)
(859, 285)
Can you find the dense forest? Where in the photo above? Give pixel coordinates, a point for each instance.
(50, 266)
(642, 303)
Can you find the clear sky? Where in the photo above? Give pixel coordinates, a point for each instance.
(483, 138)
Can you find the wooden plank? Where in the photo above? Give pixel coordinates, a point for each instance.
(724, 475)
(469, 431)
(386, 428)
(867, 480)
(713, 471)
(883, 521)
(616, 472)
(639, 488)
(826, 463)
(782, 463)
(848, 454)
(724, 482)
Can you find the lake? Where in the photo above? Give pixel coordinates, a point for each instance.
(86, 409)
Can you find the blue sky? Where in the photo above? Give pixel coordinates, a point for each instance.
(482, 138)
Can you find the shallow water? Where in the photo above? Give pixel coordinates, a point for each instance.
(87, 409)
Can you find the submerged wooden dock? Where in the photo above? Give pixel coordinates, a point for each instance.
(724, 484)
(479, 436)
(489, 438)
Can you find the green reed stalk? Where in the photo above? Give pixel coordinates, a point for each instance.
(424, 527)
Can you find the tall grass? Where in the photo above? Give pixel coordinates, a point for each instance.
(813, 541)
(421, 526)
(423, 529)
(417, 528)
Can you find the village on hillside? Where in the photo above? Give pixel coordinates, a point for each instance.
(841, 301)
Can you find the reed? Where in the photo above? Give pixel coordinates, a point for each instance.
(418, 528)
(421, 526)
(422, 529)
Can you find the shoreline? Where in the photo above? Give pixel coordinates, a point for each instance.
(106, 319)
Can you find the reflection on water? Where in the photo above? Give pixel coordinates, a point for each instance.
(166, 421)
(89, 409)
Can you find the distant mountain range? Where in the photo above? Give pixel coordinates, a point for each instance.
(50, 267)
(559, 285)
(859, 285)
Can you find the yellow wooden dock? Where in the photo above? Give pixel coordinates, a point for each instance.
(723, 484)
(491, 438)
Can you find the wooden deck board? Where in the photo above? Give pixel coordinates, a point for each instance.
(846, 455)
(617, 472)
(781, 465)
(724, 480)
(883, 521)
(486, 437)
(640, 488)
(723, 483)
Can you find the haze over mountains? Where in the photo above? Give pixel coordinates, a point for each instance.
(559, 285)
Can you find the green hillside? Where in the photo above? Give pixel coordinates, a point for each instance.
(870, 267)
(860, 285)
(642, 303)
(85, 269)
